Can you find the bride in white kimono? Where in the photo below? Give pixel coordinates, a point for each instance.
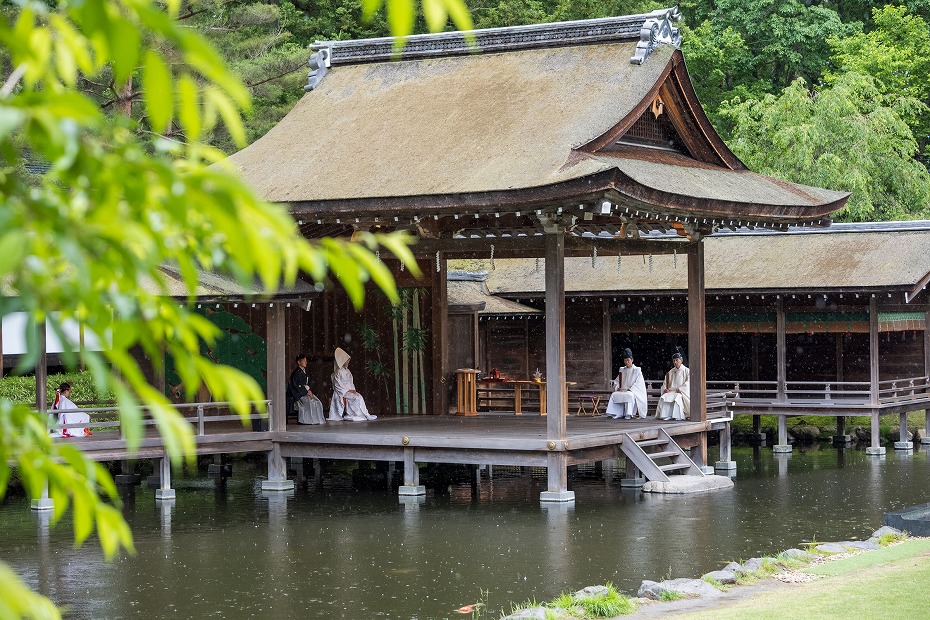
(69, 414)
(675, 401)
(347, 404)
(630, 398)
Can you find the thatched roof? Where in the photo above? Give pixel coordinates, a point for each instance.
(473, 292)
(844, 257)
(444, 132)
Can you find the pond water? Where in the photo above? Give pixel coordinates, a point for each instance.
(339, 552)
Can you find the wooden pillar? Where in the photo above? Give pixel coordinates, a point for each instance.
(276, 365)
(277, 415)
(556, 405)
(873, 350)
(555, 334)
(780, 347)
(927, 340)
(697, 344)
(755, 357)
(439, 327)
(875, 448)
(608, 347)
(1, 347)
(697, 332)
(42, 369)
(924, 440)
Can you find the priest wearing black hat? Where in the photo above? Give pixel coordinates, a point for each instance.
(675, 401)
(630, 398)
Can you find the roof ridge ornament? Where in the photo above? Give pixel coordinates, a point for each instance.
(556, 34)
(656, 31)
(319, 65)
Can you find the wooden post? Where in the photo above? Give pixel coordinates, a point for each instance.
(439, 328)
(926, 440)
(608, 348)
(42, 369)
(277, 414)
(276, 365)
(555, 364)
(697, 344)
(780, 347)
(875, 448)
(1, 347)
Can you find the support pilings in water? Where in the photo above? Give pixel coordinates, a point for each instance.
(164, 491)
(411, 485)
(841, 437)
(632, 477)
(43, 503)
(726, 464)
(903, 444)
(875, 448)
(782, 446)
(277, 472)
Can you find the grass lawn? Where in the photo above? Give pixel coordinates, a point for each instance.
(889, 583)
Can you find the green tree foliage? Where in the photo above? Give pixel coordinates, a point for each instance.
(897, 54)
(786, 39)
(848, 136)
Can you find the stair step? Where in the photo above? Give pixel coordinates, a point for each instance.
(651, 442)
(661, 455)
(675, 466)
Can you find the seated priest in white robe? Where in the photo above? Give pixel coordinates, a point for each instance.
(347, 404)
(630, 398)
(675, 401)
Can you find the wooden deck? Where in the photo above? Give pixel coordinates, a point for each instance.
(496, 439)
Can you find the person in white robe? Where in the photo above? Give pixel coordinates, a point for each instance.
(69, 414)
(675, 401)
(629, 399)
(347, 404)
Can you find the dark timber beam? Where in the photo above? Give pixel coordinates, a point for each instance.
(555, 364)
(697, 343)
(535, 247)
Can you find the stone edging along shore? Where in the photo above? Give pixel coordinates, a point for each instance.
(784, 567)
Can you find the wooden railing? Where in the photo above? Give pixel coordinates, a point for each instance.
(890, 391)
(198, 414)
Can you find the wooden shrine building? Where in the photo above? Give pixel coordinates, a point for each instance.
(549, 141)
(829, 321)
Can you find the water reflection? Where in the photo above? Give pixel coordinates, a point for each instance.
(343, 552)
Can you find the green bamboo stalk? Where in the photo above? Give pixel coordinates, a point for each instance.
(420, 347)
(405, 356)
(394, 311)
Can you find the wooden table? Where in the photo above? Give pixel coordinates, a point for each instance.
(518, 395)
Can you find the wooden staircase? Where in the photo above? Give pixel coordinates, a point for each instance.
(657, 458)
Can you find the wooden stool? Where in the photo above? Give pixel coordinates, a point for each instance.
(588, 405)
